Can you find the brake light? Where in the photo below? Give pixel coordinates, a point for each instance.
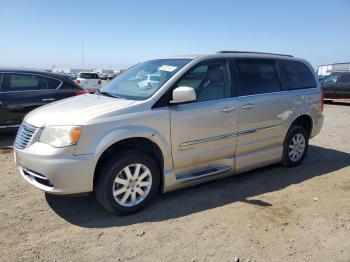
(322, 101)
(80, 92)
(78, 81)
(99, 82)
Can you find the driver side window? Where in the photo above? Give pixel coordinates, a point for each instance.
(331, 79)
(209, 80)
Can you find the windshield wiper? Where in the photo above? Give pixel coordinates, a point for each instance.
(107, 94)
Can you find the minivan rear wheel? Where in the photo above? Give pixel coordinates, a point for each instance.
(295, 146)
(127, 182)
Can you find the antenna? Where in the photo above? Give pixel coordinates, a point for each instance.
(82, 51)
(50, 70)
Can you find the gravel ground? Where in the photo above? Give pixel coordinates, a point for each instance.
(271, 214)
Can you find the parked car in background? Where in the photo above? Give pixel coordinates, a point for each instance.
(336, 86)
(88, 80)
(150, 81)
(110, 76)
(24, 90)
(208, 117)
(103, 76)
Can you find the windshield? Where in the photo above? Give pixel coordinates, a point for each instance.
(143, 80)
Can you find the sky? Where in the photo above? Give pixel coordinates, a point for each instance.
(118, 34)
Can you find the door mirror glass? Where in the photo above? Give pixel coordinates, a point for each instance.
(183, 94)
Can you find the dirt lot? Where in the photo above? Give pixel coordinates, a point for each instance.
(271, 214)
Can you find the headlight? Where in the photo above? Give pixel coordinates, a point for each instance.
(61, 136)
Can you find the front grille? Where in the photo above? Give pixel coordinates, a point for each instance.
(24, 135)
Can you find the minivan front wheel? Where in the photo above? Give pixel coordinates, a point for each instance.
(295, 146)
(127, 182)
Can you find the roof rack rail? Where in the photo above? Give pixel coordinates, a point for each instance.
(250, 52)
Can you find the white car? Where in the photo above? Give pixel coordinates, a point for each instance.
(88, 80)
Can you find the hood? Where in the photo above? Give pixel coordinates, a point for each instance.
(76, 110)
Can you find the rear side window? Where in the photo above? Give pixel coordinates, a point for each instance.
(88, 76)
(53, 83)
(257, 77)
(19, 82)
(297, 75)
(67, 85)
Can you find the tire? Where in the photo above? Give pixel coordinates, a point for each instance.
(107, 184)
(301, 136)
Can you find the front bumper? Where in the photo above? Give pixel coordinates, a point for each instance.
(56, 170)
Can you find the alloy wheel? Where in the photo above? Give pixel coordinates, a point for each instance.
(296, 147)
(132, 185)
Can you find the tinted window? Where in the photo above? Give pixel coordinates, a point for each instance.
(209, 79)
(53, 83)
(69, 85)
(345, 78)
(331, 79)
(257, 77)
(18, 82)
(298, 75)
(88, 75)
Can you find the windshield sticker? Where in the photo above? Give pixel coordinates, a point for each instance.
(167, 68)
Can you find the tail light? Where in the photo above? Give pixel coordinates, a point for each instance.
(78, 81)
(80, 92)
(99, 82)
(322, 101)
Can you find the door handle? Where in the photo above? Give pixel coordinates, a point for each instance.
(228, 109)
(248, 106)
(47, 99)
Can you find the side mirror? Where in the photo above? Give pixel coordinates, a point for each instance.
(183, 94)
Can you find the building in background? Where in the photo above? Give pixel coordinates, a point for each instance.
(103, 71)
(325, 70)
(77, 70)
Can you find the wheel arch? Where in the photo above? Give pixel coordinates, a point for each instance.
(305, 121)
(142, 144)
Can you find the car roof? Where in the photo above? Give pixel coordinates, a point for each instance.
(35, 71)
(236, 54)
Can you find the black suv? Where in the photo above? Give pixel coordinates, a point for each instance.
(24, 90)
(336, 86)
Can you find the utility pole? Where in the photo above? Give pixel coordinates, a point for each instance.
(82, 51)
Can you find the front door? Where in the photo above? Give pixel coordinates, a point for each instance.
(21, 94)
(343, 86)
(328, 85)
(203, 132)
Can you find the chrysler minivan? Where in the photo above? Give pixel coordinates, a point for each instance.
(204, 117)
